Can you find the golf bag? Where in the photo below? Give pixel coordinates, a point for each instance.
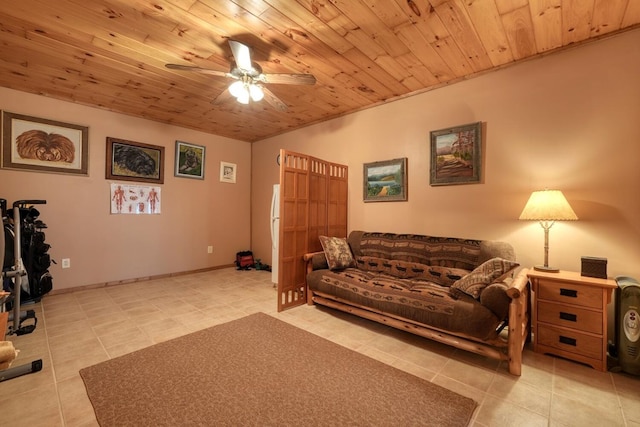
(34, 250)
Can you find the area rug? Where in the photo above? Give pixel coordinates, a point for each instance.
(261, 371)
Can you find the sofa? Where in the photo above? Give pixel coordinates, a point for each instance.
(460, 292)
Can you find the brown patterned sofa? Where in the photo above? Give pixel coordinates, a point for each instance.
(457, 291)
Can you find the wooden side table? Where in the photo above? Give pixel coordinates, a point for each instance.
(569, 316)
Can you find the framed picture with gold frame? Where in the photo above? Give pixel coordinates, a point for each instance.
(134, 161)
(385, 181)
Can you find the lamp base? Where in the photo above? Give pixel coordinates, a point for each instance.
(546, 269)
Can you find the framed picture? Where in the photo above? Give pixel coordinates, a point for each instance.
(134, 161)
(189, 160)
(228, 172)
(42, 145)
(385, 181)
(456, 155)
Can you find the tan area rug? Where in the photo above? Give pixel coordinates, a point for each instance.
(261, 371)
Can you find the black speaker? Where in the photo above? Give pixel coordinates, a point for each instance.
(594, 267)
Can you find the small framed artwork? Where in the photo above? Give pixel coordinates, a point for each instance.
(385, 181)
(228, 172)
(189, 160)
(41, 145)
(456, 155)
(134, 161)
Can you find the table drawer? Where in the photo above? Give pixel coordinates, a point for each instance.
(570, 341)
(570, 317)
(570, 293)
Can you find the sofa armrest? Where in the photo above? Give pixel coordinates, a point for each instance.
(315, 261)
(518, 286)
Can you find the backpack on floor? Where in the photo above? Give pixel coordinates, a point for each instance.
(244, 260)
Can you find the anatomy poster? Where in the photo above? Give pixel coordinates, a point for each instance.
(135, 199)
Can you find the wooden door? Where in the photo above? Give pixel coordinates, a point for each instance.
(313, 202)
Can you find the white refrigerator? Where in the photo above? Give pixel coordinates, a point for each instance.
(275, 230)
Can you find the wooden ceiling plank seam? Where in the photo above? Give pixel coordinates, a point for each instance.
(369, 22)
(308, 22)
(389, 82)
(417, 71)
(464, 34)
(425, 52)
(577, 16)
(448, 49)
(388, 12)
(519, 31)
(546, 16)
(608, 16)
(488, 25)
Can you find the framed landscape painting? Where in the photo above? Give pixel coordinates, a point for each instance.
(385, 181)
(34, 144)
(456, 155)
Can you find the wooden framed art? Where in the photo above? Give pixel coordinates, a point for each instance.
(189, 160)
(42, 145)
(456, 155)
(228, 172)
(385, 181)
(134, 161)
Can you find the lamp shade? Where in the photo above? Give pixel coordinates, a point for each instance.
(548, 205)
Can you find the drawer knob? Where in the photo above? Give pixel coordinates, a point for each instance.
(569, 293)
(568, 316)
(567, 340)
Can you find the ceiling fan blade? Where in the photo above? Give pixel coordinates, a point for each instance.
(242, 55)
(224, 96)
(274, 100)
(198, 70)
(288, 79)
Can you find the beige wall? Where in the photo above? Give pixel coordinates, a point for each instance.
(108, 248)
(567, 121)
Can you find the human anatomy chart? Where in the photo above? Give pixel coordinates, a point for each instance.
(134, 199)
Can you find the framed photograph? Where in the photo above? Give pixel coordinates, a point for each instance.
(228, 172)
(189, 160)
(456, 155)
(33, 144)
(385, 181)
(134, 161)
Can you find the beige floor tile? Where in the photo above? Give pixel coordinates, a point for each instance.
(570, 412)
(75, 404)
(501, 413)
(475, 376)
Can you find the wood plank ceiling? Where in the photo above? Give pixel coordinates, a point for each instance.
(111, 53)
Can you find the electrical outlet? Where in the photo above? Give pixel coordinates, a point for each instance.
(66, 263)
(209, 249)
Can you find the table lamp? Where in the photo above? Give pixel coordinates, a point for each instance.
(547, 206)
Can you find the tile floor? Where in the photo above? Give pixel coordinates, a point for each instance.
(86, 327)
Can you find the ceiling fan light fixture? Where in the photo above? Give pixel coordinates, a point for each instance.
(256, 92)
(244, 97)
(237, 88)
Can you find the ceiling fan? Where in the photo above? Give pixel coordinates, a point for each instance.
(249, 78)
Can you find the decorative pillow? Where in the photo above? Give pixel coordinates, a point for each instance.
(337, 252)
(444, 276)
(493, 270)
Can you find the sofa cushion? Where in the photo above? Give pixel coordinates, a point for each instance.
(493, 270)
(495, 298)
(337, 252)
(444, 276)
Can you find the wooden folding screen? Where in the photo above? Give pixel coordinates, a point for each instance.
(313, 202)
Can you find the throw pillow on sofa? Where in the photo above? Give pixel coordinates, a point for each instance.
(493, 270)
(337, 252)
